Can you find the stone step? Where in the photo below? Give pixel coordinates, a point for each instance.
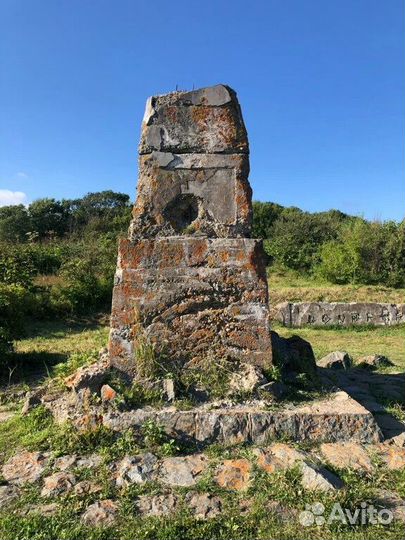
(336, 418)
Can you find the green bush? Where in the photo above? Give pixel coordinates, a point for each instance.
(16, 265)
(366, 252)
(82, 290)
(14, 300)
(297, 237)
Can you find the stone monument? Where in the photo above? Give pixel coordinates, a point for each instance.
(190, 280)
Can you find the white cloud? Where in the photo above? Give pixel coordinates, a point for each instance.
(8, 197)
(22, 174)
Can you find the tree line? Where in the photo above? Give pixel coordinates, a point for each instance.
(332, 245)
(57, 258)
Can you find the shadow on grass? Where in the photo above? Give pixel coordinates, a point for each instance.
(29, 368)
(383, 394)
(54, 328)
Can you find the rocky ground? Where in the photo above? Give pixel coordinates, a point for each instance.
(272, 466)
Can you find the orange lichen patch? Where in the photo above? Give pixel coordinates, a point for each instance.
(393, 456)
(169, 254)
(132, 255)
(201, 115)
(234, 474)
(245, 340)
(197, 252)
(107, 393)
(172, 113)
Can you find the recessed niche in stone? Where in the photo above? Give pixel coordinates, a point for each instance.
(182, 211)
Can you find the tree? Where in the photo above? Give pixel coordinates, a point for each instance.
(100, 211)
(14, 223)
(265, 214)
(49, 218)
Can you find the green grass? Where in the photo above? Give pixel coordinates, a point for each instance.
(358, 341)
(65, 338)
(389, 341)
(63, 347)
(288, 286)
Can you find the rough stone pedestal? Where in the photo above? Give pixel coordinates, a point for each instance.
(189, 279)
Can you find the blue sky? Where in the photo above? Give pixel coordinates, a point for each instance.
(321, 84)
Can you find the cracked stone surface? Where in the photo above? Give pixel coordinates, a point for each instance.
(335, 418)
(278, 457)
(234, 474)
(8, 494)
(25, 468)
(100, 513)
(157, 505)
(350, 455)
(183, 471)
(58, 483)
(203, 505)
(188, 276)
(136, 469)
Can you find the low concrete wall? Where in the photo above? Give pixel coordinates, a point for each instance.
(339, 314)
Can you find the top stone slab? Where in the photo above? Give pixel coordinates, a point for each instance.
(207, 120)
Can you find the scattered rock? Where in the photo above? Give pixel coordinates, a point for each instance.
(283, 513)
(107, 393)
(245, 506)
(319, 478)
(89, 462)
(234, 474)
(8, 494)
(45, 510)
(392, 501)
(57, 483)
(398, 440)
(393, 456)
(157, 505)
(5, 416)
(136, 469)
(91, 377)
(278, 457)
(246, 380)
(24, 468)
(168, 391)
(204, 505)
(85, 487)
(64, 463)
(294, 354)
(32, 399)
(350, 455)
(374, 361)
(100, 513)
(336, 360)
(183, 471)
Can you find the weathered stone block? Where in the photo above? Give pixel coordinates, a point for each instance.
(340, 314)
(204, 193)
(189, 279)
(209, 118)
(195, 297)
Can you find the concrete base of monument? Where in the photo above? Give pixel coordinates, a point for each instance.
(335, 417)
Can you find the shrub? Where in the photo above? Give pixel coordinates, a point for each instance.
(16, 266)
(82, 290)
(13, 305)
(297, 237)
(366, 252)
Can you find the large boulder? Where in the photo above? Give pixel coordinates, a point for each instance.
(336, 360)
(294, 354)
